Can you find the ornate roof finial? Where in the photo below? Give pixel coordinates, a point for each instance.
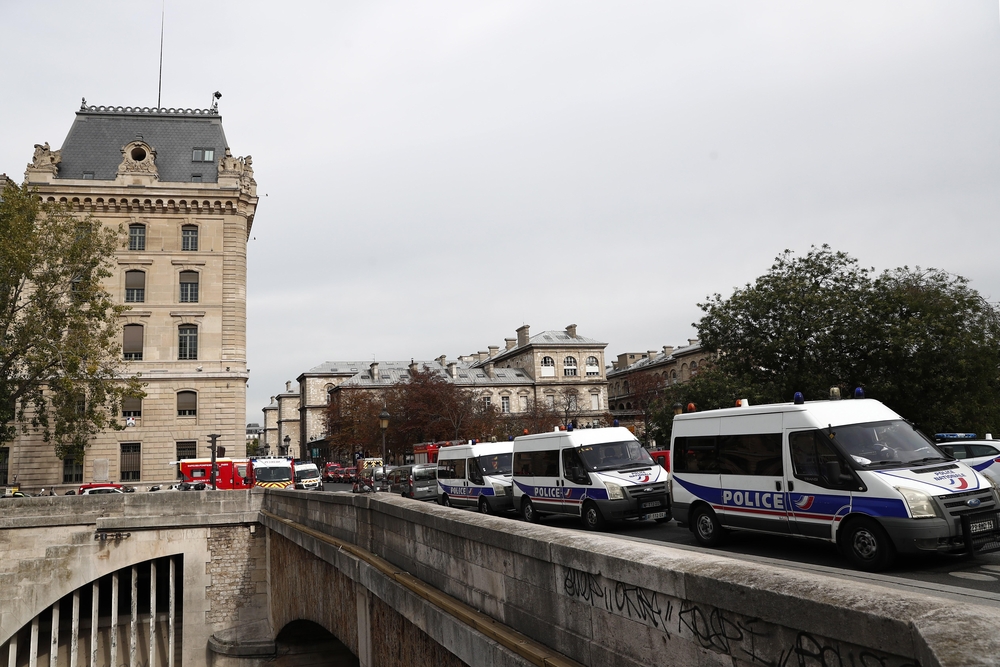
(216, 96)
(83, 104)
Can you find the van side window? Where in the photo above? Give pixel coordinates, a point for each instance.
(756, 454)
(573, 468)
(459, 469)
(446, 468)
(537, 464)
(696, 454)
(811, 451)
(475, 474)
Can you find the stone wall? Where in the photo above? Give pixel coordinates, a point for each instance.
(603, 601)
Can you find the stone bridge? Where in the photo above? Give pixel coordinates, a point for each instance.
(217, 578)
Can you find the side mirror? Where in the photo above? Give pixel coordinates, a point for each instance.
(833, 474)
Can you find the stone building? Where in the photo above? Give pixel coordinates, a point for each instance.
(558, 369)
(269, 438)
(636, 376)
(166, 176)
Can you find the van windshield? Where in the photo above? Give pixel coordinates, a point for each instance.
(615, 456)
(886, 444)
(496, 464)
(422, 474)
(306, 473)
(272, 474)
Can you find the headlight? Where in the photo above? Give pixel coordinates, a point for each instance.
(996, 487)
(614, 491)
(499, 489)
(921, 505)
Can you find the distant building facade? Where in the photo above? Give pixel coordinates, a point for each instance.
(558, 369)
(168, 177)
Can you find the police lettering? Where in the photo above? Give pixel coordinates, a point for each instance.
(546, 492)
(763, 499)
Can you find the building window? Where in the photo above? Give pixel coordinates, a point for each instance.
(187, 349)
(505, 404)
(524, 403)
(137, 237)
(569, 366)
(187, 404)
(189, 238)
(135, 286)
(189, 287)
(187, 449)
(595, 401)
(593, 367)
(548, 367)
(4, 464)
(571, 402)
(487, 402)
(203, 155)
(550, 402)
(131, 462)
(88, 175)
(196, 178)
(131, 407)
(132, 342)
(72, 471)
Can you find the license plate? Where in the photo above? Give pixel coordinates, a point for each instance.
(656, 515)
(655, 503)
(981, 526)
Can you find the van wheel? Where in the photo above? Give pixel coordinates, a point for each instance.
(484, 506)
(866, 545)
(444, 500)
(706, 527)
(592, 517)
(528, 511)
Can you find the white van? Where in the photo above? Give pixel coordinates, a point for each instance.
(851, 472)
(599, 474)
(307, 476)
(475, 475)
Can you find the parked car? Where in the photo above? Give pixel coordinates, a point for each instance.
(350, 475)
(374, 477)
(99, 488)
(416, 480)
(332, 472)
(980, 455)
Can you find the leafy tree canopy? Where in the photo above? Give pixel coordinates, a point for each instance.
(920, 340)
(60, 368)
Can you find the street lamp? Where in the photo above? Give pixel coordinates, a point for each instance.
(383, 423)
(288, 440)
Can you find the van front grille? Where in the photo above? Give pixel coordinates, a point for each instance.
(956, 504)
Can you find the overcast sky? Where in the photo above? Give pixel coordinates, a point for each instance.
(433, 175)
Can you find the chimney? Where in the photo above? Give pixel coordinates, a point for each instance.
(452, 370)
(522, 336)
(272, 400)
(374, 370)
(692, 341)
(493, 350)
(288, 387)
(413, 366)
(651, 354)
(623, 360)
(668, 350)
(442, 359)
(490, 373)
(571, 330)
(511, 343)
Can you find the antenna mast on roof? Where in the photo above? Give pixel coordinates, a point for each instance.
(159, 84)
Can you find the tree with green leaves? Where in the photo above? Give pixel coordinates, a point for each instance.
(920, 340)
(61, 369)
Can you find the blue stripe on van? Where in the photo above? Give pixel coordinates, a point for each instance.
(573, 493)
(466, 490)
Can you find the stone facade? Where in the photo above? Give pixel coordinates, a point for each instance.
(531, 369)
(168, 178)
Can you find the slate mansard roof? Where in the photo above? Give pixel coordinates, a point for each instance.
(98, 134)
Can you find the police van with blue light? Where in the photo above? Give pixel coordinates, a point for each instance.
(599, 474)
(852, 472)
(475, 475)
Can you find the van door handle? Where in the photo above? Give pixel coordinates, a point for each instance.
(791, 485)
(777, 485)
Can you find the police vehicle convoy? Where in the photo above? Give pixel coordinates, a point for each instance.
(476, 475)
(981, 455)
(852, 472)
(598, 474)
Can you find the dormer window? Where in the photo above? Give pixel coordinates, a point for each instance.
(88, 175)
(203, 155)
(196, 178)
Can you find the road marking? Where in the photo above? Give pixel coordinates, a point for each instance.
(991, 568)
(975, 576)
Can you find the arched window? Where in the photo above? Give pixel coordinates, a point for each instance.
(187, 348)
(189, 287)
(548, 367)
(189, 238)
(137, 237)
(187, 404)
(132, 342)
(673, 376)
(625, 386)
(593, 367)
(135, 286)
(569, 366)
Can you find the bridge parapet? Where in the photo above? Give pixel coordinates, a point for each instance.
(605, 601)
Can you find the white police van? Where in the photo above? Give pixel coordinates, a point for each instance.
(851, 472)
(598, 474)
(475, 475)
